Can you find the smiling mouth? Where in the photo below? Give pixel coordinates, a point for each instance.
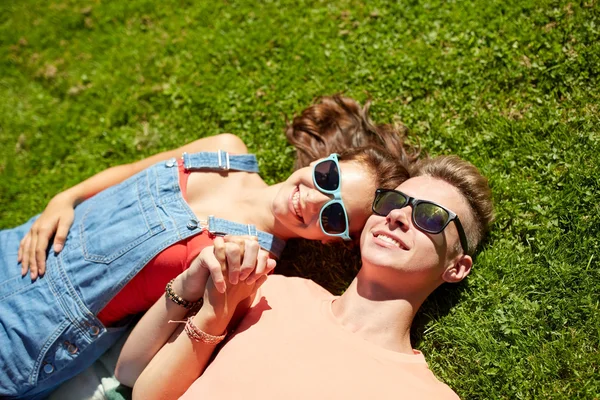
(390, 240)
(296, 204)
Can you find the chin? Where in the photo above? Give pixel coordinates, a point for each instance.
(379, 260)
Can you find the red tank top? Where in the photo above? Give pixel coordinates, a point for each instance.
(149, 284)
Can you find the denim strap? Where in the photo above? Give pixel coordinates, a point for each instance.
(218, 226)
(220, 160)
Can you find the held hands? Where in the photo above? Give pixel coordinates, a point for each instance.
(56, 218)
(235, 264)
(240, 258)
(228, 307)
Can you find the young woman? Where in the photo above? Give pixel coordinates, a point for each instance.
(122, 235)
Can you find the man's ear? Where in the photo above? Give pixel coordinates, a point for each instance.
(459, 270)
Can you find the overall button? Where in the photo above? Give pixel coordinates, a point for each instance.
(48, 368)
(192, 224)
(71, 348)
(170, 163)
(94, 330)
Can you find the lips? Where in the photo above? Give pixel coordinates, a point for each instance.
(387, 239)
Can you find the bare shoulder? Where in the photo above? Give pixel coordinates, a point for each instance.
(232, 143)
(224, 141)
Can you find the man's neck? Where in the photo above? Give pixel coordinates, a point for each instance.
(377, 313)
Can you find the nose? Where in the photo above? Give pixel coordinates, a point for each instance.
(399, 217)
(315, 200)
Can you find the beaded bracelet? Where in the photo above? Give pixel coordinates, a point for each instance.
(179, 300)
(198, 335)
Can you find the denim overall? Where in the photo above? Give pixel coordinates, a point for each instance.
(48, 328)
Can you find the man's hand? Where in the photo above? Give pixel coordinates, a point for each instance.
(222, 304)
(221, 309)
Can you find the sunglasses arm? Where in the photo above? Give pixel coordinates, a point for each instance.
(461, 235)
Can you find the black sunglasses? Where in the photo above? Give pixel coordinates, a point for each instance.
(428, 216)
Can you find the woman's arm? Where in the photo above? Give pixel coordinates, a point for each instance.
(177, 365)
(236, 254)
(152, 332)
(180, 361)
(58, 216)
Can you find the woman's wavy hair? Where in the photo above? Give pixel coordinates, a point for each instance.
(337, 123)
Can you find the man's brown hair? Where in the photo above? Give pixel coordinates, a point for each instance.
(471, 184)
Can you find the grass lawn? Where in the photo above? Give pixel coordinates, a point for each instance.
(511, 86)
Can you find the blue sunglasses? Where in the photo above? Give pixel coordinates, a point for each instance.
(333, 217)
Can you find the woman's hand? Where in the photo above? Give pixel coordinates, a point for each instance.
(56, 220)
(221, 311)
(239, 258)
(226, 307)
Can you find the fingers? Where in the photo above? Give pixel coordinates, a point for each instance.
(260, 281)
(219, 252)
(32, 250)
(251, 249)
(23, 256)
(210, 261)
(240, 240)
(234, 255)
(21, 247)
(228, 254)
(43, 238)
(264, 265)
(271, 264)
(61, 234)
(33, 268)
(241, 258)
(237, 248)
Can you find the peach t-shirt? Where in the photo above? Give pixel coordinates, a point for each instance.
(290, 346)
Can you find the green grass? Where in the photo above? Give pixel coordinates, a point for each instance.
(511, 86)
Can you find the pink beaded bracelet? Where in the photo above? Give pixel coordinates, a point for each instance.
(198, 335)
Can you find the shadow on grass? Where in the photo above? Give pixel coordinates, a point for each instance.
(437, 305)
(331, 266)
(334, 266)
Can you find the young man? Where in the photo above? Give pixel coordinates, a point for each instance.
(298, 341)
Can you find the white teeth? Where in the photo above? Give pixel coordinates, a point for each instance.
(296, 203)
(389, 240)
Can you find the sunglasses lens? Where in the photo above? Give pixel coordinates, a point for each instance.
(385, 202)
(327, 176)
(333, 219)
(431, 218)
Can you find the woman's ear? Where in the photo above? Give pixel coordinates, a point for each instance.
(459, 270)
